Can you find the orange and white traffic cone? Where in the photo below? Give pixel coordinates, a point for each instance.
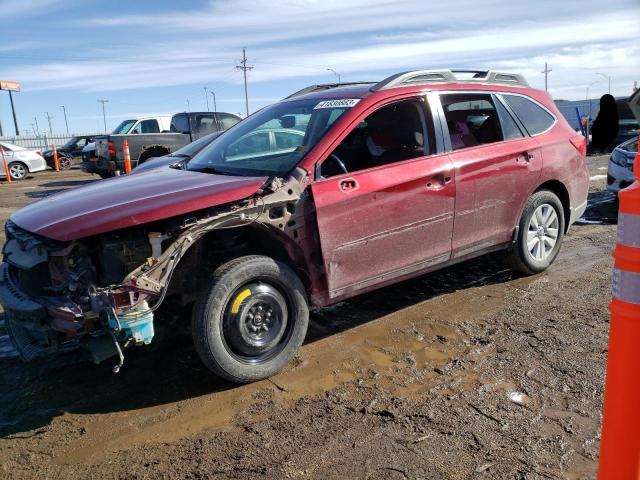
(5, 165)
(56, 165)
(127, 157)
(620, 440)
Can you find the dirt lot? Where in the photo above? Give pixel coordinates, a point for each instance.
(466, 373)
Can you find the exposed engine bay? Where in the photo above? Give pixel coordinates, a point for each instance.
(103, 292)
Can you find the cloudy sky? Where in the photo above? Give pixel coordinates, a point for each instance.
(155, 56)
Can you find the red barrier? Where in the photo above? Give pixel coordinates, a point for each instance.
(5, 165)
(620, 440)
(127, 157)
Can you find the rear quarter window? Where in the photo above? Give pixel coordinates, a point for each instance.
(534, 118)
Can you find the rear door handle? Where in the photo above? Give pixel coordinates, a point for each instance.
(348, 185)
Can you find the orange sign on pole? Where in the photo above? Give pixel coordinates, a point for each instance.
(620, 440)
(56, 165)
(127, 157)
(5, 165)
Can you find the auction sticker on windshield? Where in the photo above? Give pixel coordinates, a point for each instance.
(343, 102)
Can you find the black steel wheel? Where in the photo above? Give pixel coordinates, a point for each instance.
(251, 321)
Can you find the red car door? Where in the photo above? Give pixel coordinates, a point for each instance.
(381, 221)
(496, 165)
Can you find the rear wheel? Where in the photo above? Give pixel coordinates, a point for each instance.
(540, 234)
(64, 162)
(18, 171)
(251, 320)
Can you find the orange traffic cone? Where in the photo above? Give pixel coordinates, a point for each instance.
(5, 165)
(56, 165)
(620, 441)
(127, 157)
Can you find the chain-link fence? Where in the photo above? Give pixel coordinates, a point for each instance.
(41, 141)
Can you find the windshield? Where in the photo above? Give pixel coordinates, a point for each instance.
(70, 143)
(194, 147)
(271, 141)
(124, 127)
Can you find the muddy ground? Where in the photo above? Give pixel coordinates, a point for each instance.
(466, 373)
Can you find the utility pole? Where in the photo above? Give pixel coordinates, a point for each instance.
(104, 117)
(215, 109)
(335, 73)
(244, 67)
(65, 118)
(206, 97)
(49, 117)
(546, 72)
(188, 106)
(35, 119)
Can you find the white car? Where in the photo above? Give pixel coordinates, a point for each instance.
(21, 161)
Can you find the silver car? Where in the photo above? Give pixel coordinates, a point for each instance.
(21, 161)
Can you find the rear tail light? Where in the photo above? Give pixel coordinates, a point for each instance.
(39, 152)
(580, 143)
(111, 149)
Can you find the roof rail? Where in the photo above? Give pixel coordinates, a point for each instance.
(325, 86)
(421, 77)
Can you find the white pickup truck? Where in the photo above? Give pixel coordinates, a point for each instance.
(161, 123)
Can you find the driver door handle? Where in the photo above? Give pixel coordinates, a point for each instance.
(348, 184)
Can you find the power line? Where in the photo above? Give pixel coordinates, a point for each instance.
(244, 67)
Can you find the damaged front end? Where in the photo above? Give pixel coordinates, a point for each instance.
(59, 296)
(102, 292)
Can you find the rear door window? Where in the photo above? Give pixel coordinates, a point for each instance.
(510, 128)
(472, 119)
(180, 123)
(534, 118)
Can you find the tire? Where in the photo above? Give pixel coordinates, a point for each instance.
(250, 322)
(534, 249)
(18, 171)
(151, 153)
(64, 162)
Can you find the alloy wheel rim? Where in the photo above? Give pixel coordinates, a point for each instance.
(17, 171)
(542, 234)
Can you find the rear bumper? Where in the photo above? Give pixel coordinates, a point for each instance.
(618, 177)
(88, 167)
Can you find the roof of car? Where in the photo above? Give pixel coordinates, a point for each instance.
(435, 79)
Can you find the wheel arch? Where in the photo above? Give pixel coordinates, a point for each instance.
(221, 245)
(561, 191)
(150, 151)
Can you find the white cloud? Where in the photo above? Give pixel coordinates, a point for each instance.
(360, 39)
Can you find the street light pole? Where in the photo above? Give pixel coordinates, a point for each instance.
(66, 124)
(104, 116)
(49, 117)
(335, 73)
(608, 80)
(206, 98)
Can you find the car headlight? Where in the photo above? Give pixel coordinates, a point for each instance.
(619, 158)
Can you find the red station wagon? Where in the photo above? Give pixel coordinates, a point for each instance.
(334, 191)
